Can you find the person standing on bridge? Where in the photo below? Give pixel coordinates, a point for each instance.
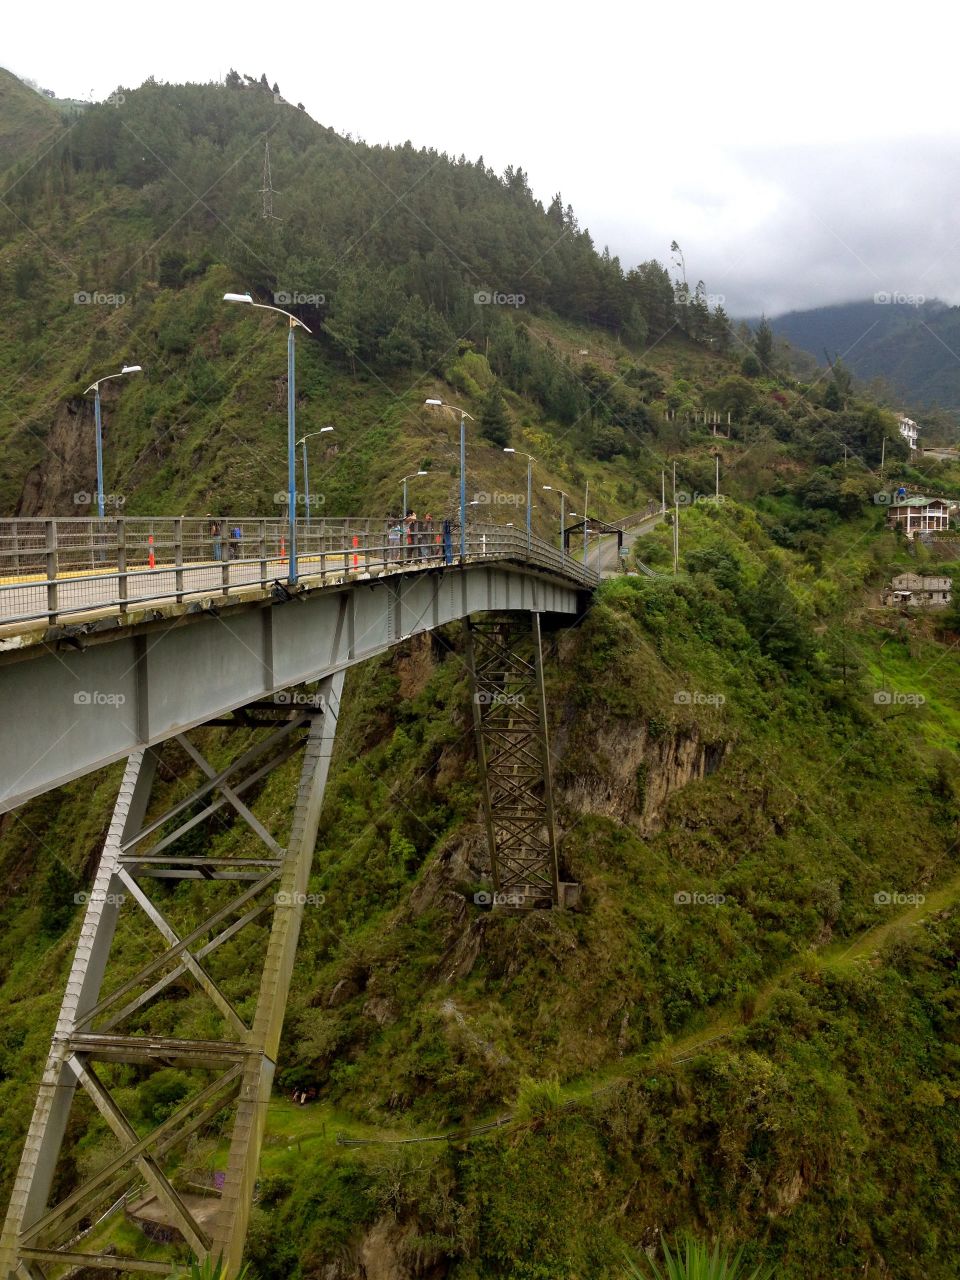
(216, 533)
(395, 538)
(409, 535)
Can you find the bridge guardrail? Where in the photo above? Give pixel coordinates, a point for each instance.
(52, 568)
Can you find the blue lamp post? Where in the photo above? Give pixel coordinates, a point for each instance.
(563, 497)
(529, 497)
(95, 387)
(463, 469)
(411, 476)
(291, 422)
(302, 442)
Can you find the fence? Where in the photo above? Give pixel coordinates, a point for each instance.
(50, 569)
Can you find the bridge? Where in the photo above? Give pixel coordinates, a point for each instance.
(122, 639)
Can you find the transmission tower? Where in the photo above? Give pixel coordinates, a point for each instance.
(267, 190)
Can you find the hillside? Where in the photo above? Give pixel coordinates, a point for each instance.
(749, 1028)
(908, 346)
(28, 122)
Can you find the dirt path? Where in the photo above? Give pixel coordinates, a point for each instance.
(721, 1026)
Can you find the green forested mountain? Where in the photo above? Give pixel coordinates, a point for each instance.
(909, 346)
(155, 207)
(749, 1029)
(28, 122)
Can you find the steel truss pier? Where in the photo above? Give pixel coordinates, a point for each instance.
(513, 750)
(101, 1035)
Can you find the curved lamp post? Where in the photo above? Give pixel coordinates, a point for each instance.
(95, 386)
(549, 488)
(411, 476)
(529, 495)
(306, 482)
(442, 404)
(403, 518)
(291, 421)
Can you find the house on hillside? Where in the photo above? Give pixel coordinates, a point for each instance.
(918, 591)
(908, 429)
(918, 514)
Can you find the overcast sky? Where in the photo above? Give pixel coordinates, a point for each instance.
(800, 156)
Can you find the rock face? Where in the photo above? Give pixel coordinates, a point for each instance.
(635, 773)
(68, 466)
(380, 1256)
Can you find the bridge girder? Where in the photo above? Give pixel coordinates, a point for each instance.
(97, 1030)
(91, 698)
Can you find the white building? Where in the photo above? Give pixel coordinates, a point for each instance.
(909, 429)
(919, 591)
(921, 515)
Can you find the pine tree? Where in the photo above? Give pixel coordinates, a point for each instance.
(494, 420)
(763, 344)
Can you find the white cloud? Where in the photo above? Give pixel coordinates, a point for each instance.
(798, 155)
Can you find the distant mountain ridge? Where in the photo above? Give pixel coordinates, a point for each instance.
(914, 345)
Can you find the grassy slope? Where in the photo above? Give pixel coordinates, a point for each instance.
(787, 830)
(27, 120)
(822, 799)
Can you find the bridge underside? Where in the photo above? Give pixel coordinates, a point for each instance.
(93, 694)
(101, 694)
(216, 961)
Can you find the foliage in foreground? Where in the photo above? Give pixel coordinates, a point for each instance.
(694, 1260)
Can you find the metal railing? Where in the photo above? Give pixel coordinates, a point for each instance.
(50, 569)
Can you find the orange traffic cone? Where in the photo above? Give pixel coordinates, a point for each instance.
(356, 558)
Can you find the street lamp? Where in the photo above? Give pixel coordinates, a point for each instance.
(403, 518)
(306, 485)
(549, 488)
(463, 468)
(291, 422)
(411, 476)
(529, 495)
(95, 386)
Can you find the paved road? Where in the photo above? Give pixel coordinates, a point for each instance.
(603, 554)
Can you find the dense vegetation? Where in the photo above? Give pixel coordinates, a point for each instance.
(733, 1034)
(896, 342)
